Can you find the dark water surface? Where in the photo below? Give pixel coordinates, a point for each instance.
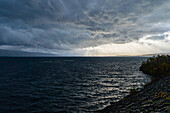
(66, 84)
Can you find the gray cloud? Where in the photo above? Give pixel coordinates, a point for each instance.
(63, 26)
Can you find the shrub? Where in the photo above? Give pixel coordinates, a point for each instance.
(133, 91)
(156, 66)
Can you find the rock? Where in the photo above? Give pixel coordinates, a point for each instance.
(145, 100)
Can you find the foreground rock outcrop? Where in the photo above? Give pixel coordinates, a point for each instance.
(153, 98)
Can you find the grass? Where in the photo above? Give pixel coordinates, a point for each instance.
(133, 91)
(161, 95)
(147, 84)
(167, 98)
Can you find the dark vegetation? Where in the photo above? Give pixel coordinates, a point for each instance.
(154, 97)
(133, 91)
(156, 66)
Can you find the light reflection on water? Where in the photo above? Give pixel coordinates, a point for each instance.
(67, 84)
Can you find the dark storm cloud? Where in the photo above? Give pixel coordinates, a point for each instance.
(67, 25)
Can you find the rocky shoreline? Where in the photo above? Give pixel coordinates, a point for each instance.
(154, 97)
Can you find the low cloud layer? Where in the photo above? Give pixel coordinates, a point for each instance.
(81, 27)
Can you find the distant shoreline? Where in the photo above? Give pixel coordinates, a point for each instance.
(73, 56)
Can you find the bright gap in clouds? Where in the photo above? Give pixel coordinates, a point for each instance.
(145, 45)
(85, 27)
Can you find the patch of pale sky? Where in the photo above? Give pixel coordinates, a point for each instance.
(141, 47)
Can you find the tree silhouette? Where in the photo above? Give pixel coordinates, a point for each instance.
(156, 66)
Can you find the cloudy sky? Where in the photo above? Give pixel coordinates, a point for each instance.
(85, 27)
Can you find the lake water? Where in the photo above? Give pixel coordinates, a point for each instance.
(66, 84)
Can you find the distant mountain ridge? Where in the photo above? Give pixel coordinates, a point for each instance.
(14, 53)
(11, 53)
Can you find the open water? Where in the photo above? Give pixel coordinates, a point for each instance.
(68, 84)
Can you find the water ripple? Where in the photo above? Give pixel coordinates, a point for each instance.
(66, 84)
